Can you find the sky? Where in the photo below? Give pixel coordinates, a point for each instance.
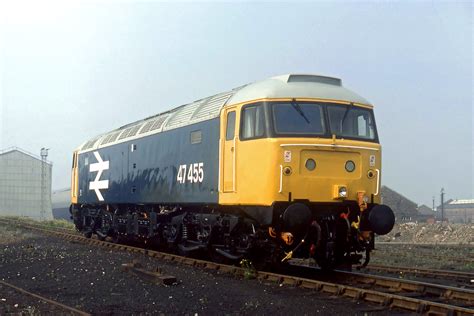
(70, 70)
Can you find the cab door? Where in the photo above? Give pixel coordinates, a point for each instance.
(229, 135)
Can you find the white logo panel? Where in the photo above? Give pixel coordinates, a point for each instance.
(98, 184)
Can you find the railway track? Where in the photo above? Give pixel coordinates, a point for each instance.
(415, 289)
(52, 307)
(422, 244)
(456, 276)
(459, 279)
(408, 295)
(428, 291)
(455, 260)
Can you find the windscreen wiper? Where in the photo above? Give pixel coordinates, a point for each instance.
(297, 107)
(345, 115)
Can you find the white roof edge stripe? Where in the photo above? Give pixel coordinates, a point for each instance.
(329, 145)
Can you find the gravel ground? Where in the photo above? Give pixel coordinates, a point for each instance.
(15, 303)
(91, 279)
(439, 233)
(433, 246)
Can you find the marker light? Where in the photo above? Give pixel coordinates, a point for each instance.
(350, 166)
(310, 164)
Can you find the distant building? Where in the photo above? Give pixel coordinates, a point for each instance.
(405, 210)
(25, 184)
(61, 200)
(426, 214)
(458, 211)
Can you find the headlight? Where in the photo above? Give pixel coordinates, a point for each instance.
(350, 166)
(342, 192)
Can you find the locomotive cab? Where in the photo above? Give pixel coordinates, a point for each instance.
(315, 165)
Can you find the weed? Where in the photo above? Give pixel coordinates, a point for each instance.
(249, 270)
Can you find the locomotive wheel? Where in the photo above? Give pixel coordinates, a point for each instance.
(269, 258)
(326, 262)
(116, 239)
(88, 234)
(106, 223)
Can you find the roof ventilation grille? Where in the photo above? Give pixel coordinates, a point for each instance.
(90, 144)
(212, 105)
(125, 133)
(147, 126)
(158, 122)
(134, 130)
(106, 139)
(114, 137)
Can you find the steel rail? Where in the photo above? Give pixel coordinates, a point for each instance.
(44, 299)
(433, 273)
(388, 300)
(442, 292)
(409, 243)
(399, 253)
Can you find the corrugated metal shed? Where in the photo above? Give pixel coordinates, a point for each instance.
(21, 192)
(458, 211)
(465, 203)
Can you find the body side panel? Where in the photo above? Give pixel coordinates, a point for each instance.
(148, 173)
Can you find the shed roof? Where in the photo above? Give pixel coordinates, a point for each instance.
(285, 86)
(464, 201)
(460, 204)
(10, 150)
(425, 210)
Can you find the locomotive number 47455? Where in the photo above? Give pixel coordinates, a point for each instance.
(194, 173)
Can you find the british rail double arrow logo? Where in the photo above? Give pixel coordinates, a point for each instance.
(99, 167)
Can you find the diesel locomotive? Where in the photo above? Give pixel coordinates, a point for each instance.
(288, 167)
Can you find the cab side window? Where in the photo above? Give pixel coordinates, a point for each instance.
(230, 130)
(253, 122)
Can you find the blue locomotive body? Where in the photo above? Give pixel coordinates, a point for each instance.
(145, 170)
